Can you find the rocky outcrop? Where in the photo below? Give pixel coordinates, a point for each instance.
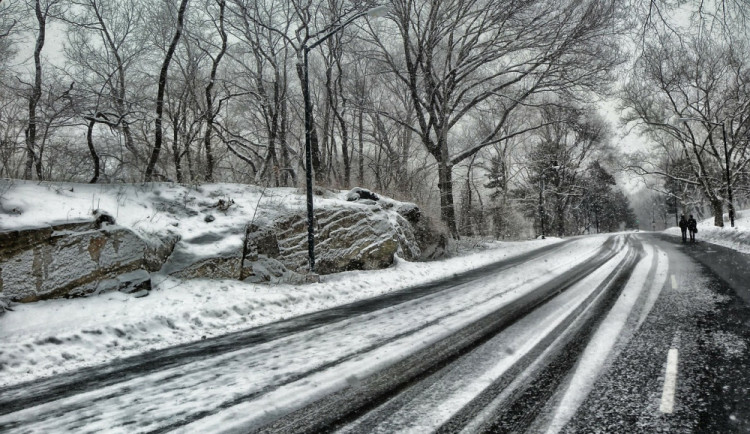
(65, 260)
(355, 237)
(92, 257)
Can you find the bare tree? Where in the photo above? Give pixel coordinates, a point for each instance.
(210, 110)
(44, 10)
(106, 40)
(693, 90)
(265, 30)
(457, 56)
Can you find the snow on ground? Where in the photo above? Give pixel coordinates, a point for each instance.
(154, 209)
(248, 385)
(737, 237)
(56, 336)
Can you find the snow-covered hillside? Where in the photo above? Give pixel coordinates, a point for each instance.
(54, 336)
(154, 210)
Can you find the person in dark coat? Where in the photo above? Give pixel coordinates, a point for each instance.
(683, 227)
(692, 227)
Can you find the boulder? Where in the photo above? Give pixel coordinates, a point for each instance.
(209, 255)
(65, 260)
(410, 212)
(135, 281)
(346, 238)
(102, 218)
(4, 305)
(269, 270)
(158, 250)
(358, 193)
(260, 241)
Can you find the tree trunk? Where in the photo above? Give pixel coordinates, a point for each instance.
(560, 218)
(210, 115)
(321, 173)
(36, 92)
(176, 154)
(160, 92)
(361, 162)
(447, 210)
(92, 150)
(288, 171)
(717, 207)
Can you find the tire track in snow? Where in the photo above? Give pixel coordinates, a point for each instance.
(602, 343)
(37, 392)
(377, 388)
(463, 390)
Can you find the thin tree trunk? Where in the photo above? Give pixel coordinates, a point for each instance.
(361, 164)
(324, 156)
(176, 154)
(210, 115)
(160, 92)
(92, 150)
(286, 161)
(36, 93)
(340, 116)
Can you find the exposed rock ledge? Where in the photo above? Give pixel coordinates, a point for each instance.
(65, 260)
(75, 259)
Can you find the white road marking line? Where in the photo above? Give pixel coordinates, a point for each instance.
(670, 383)
(674, 282)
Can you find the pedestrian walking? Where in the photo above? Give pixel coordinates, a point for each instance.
(692, 227)
(683, 227)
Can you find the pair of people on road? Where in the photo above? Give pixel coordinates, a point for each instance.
(688, 225)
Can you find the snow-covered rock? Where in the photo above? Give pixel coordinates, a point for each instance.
(4, 305)
(158, 249)
(257, 234)
(65, 260)
(359, 193)
(353, 237)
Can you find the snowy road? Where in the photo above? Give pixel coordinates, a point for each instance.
(533, 343)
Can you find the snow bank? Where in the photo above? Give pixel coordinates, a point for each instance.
(56, 336)
(737, 237)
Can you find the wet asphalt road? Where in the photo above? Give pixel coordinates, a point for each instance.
(702, 312)
(706, 316)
